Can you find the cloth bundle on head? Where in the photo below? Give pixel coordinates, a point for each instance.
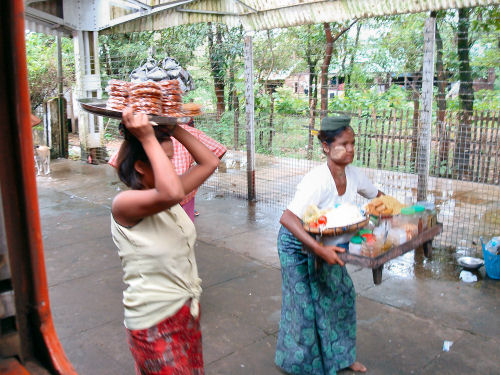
(167, 69)
(334, 122)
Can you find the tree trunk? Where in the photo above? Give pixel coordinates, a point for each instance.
(313, 102)
(353, 57)
(236, 105)
(462, 152)
(261, 131)
(441, 105)
(326, 63)
(324, 69)
(231, 88)
(109, 69)
(217, 67)
(271, 121)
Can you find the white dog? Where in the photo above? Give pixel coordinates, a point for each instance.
(42, 160)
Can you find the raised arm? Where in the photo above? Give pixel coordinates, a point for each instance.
(160, 192)
(206, 160)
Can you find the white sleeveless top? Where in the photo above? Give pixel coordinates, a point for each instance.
(159, 266)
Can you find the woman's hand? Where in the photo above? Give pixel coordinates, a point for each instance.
(329, 254)
(294, 225)
(138, 124)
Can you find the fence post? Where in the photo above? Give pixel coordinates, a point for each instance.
(424, 144)
(249, 111)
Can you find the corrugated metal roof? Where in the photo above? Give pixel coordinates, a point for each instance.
(116, 16)
(269, 14)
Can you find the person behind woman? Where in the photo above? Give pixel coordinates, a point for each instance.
(155, 240)
(317, 332)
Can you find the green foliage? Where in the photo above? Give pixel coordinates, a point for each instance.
(288, 102)
(484, 100)
(369, 100)
(41, 57)
(122, 53)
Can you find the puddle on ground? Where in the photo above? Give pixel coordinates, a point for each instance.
(442, 265)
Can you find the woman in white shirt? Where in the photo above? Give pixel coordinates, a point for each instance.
(317, 332)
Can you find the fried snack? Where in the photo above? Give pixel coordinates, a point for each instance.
(118, 94)
(171, 97)
(384, 205)
(146, 97)
(191, 109)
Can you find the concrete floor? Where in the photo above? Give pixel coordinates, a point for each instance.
(402, 323)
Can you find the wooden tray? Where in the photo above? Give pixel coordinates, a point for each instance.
(338, 230)
(98, 107)
(423, 239)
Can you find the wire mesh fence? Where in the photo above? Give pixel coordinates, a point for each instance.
(374, 73)
(468, 203)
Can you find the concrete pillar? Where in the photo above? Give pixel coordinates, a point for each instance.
(425, 134)
(88, 85)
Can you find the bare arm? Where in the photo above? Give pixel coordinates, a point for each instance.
(206, 161)
(329, 253)
(129, 207)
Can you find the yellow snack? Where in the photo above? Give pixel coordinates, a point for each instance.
(311, 214)
(385, 205)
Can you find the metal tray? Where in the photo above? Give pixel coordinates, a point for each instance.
(98, 107)
(470, 263)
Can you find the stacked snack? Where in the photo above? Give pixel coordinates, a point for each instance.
(384, 205)
(191, 109)
(118, 94)
(146, 97)
(171, 97)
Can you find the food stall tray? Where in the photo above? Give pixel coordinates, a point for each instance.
(423, 239)
(98, 107)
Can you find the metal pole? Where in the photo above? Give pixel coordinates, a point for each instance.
(424, 145)
(62, 140)
(250, 123)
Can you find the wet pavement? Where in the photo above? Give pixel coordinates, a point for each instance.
(402, 323)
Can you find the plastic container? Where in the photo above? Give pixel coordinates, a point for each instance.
(368, 237)
(396, 236)
(408, 220)
(431, 213)
(364, 231)
(493, 245)
(355, 245)
(491, 261)
(421, 217)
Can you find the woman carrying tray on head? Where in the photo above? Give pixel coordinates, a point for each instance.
(155, 240)
(317, 333)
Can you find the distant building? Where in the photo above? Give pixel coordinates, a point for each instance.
(298, 82)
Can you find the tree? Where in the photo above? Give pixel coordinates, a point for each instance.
(122, 53)
(330, 40)
(224, 46)
(466, 97)
(442, 83)
(41, 57)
